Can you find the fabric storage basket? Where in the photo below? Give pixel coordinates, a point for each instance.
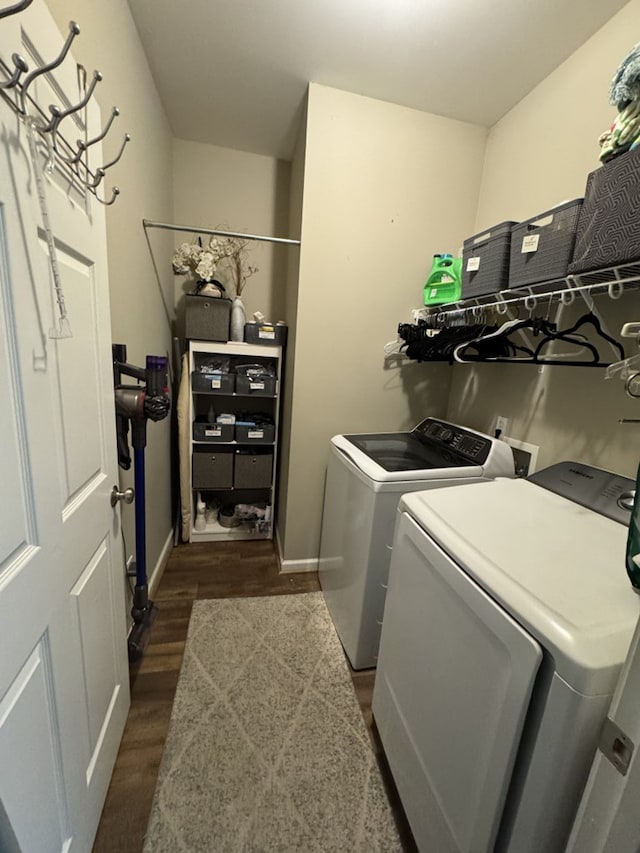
(485, 261)
(609, 225)
(212, 432)
(212, 470)
(207, 318)
(252, 470)
(263, 434)
(541, 247)
(257, 386)
(265, 333)
(213, 383)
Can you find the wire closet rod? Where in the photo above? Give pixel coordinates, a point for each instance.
(168, 226)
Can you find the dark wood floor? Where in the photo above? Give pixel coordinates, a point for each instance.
(194, 572)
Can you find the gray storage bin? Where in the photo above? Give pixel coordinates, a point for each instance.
(252, 470)
(485, 261)
(608, 232)
(265, 333)
(212, 470)
(542, 247)
(207, 318)
(263, 434)
(256, 386)
(213, 383)
(212, 432)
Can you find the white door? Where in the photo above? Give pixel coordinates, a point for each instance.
(608, 819)
(64, 690)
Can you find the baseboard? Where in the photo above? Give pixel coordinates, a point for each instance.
(289, 566)
(160, 566)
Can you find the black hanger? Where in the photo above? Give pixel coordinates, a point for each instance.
(567, 335)
(498, 346)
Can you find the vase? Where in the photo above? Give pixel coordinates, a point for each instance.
(238, 319)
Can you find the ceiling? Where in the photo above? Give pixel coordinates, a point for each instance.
(234, 72)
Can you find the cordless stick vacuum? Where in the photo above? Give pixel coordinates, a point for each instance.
(135, 405)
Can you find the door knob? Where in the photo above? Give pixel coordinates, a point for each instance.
(127, 496)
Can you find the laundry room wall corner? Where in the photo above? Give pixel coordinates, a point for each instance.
(381, 195)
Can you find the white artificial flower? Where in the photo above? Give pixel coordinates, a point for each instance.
(203, 261)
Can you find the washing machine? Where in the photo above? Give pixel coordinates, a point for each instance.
(366, 476)
(508, 617)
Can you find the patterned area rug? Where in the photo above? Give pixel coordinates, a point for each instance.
(267, 749)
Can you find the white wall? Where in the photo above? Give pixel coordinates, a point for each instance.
(384, 188)
(140, 280)
(539, 154)
(248, 193)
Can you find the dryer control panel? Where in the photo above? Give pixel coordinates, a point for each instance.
(472, 445)
(601, 491)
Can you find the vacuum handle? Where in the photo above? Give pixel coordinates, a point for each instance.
(156, 375)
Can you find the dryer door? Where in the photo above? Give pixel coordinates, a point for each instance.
(454, 680)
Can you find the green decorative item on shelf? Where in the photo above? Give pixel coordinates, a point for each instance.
(444, 283)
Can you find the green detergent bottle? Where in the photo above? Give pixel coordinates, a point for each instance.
(445, 280)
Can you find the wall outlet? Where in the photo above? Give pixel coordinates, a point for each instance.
(501, 425)
(525, 455)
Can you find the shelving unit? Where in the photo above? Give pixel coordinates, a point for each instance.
(613, 281)
(233, 464)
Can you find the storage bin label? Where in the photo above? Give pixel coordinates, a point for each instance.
(255, 433)
(256, 386)
(213, 432)
(473, 264)
(266, 333)
(216, 383)
(530, 243)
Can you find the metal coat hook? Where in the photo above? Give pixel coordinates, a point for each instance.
(102, 170)
(74, 30)
(57, 115)
(115, 192)
(17, 7)
(95, 183)
(20, 67)
(82, 145)
(127, 138)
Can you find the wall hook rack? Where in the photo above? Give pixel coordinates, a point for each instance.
(15, 90)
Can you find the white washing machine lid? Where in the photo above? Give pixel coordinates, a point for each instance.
(557, 568)
(444, 451)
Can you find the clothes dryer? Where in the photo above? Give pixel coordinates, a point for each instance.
(366, 476)
(508, 617)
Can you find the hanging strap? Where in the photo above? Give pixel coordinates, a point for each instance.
(63, 330)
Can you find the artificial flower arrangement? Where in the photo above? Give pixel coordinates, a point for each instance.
(204, 261)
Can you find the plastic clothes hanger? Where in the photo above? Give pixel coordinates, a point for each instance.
(538, 326)
(498, 347)
(567, 335)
